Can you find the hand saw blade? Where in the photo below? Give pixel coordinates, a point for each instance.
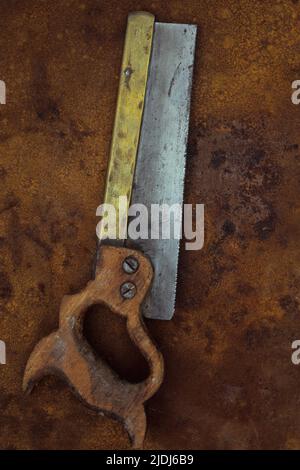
(160, 167)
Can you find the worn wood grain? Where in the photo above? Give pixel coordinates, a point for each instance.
(66, 352)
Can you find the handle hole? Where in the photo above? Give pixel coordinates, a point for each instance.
(107, 334)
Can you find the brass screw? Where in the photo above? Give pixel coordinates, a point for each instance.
(128, 290)
(130, 265)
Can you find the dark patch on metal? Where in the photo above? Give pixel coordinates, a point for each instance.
(6, 289)
(33, 234)
(264, 228)
(217, 159)
(10, 201)
(255, 156)
(228, 228)
(3, 172)
(238, 316)
(290, 306)
(45, 106)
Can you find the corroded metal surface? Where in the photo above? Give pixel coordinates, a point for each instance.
(229, 379)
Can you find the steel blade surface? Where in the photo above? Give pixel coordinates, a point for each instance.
(160, 168)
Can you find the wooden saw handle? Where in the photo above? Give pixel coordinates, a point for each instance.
(66, 352)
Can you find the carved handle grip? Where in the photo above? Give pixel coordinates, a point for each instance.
(66, 352)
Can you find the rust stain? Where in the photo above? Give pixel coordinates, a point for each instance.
(229, 379)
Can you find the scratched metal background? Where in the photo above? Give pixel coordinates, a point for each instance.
(229, 379)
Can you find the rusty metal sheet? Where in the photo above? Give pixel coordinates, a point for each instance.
(230, 383)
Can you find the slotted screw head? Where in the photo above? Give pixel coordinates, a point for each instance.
(128, 290)
(130, 265)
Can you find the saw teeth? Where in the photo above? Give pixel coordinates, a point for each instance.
(160, 169)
